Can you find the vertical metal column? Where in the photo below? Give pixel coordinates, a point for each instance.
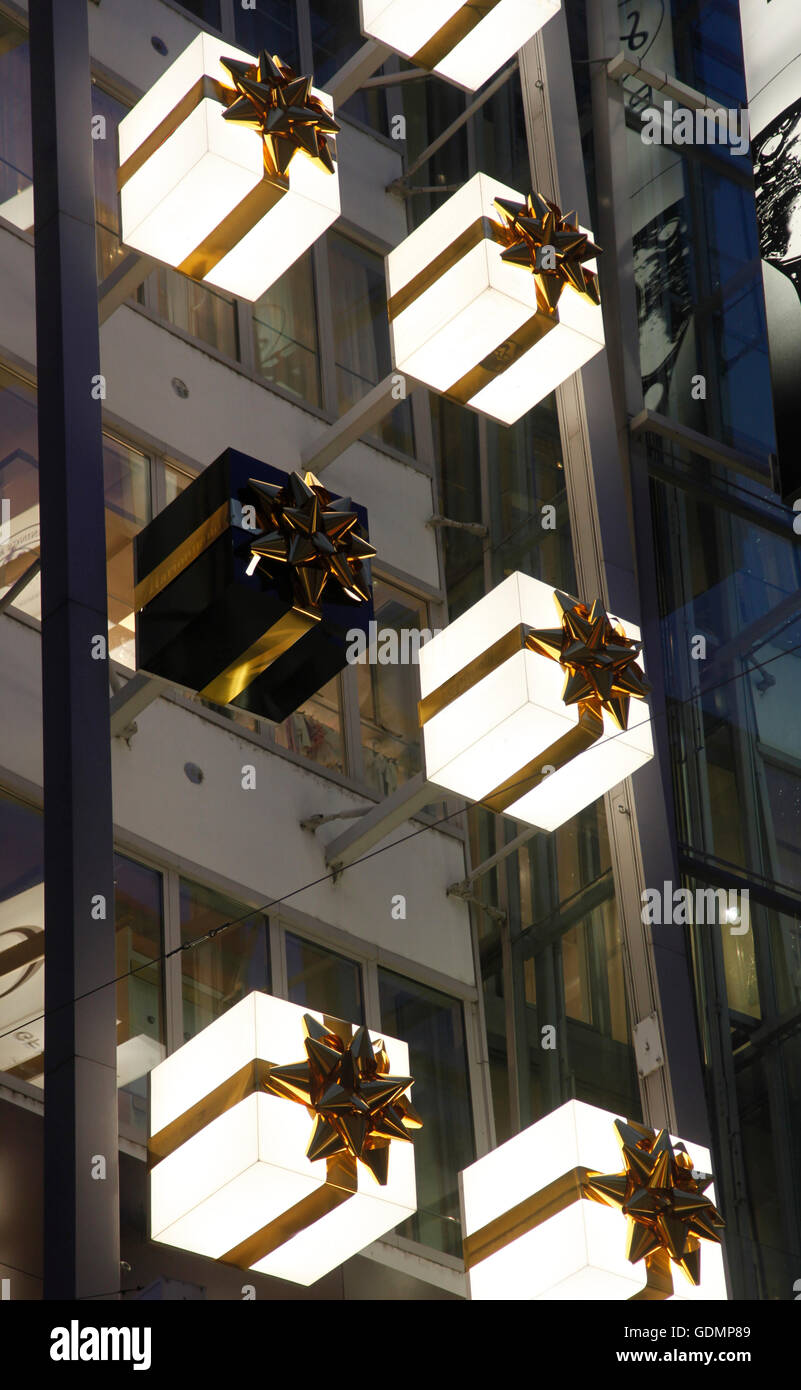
(81, 1193)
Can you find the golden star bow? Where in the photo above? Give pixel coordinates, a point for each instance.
(346, 1086)
(277, 103)
(536, 227)
(599, 660)
(663, 1197)
(318, 538)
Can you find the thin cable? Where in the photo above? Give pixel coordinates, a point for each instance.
(363, 859)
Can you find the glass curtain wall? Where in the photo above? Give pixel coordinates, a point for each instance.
(728, 577)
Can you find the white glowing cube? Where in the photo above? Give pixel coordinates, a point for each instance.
(246, 1168)
(580, 1253)
(202, 168)
(456, 306)
(515, 1250)
(503, 721)
(442, 34)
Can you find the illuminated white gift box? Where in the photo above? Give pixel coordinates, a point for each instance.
(469, 323)
(465, 42)
(496, 728)
(532, 1230)
(230, 1179)
(194, 191)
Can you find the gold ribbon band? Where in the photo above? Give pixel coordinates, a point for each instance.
(533, 1211)
(183, 556)
(457, 28)
(245, 1082)
(340, 1185)
(502, 357)
(483, 229)
(204, 87)
(483, 665)
(525, 1216)
(241, 220)
(577, 740)
(254, 662)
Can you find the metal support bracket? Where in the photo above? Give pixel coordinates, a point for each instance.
(122, 282)
(12, 594)
(314, 822)
(358, 421)
(648, 1050)
(378, 823)
(353, 74)
(399, 185)
(622, 66)
(137, 693)
(492, 862)
(464, 892)
(473, 528)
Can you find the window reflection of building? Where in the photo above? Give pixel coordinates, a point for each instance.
(285, 333)
(361, 333)
(433, 1026)
(216, 974)
(315, 731)
(138, 921)
(388, 691)
(16, 157)
(128, 508)
(322, 979)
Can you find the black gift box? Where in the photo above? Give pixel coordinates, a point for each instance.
(206, 624)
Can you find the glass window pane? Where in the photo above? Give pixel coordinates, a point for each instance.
(269, 24)
(285, 333)
(208, 10)
(22, 925)
(220, 972)
(388, 692)
(433, 1025)
(126, 475)
(16, 156)
(361, 334)
(322, 980)
(336, 36)
(315, 731)
(104, 150)
(202, 312)
(140, 997)
(174, 482)
(19, 487)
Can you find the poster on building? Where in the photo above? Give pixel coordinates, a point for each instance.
(772, 51)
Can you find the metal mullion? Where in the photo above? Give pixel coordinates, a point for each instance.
(371, 994)
(325, 326)
(279, 983)
(173, 993)
(244, 335)
(227, 22)
(351, 724)
(305, 44)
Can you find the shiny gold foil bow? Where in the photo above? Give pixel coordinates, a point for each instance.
(319, 539)
(277, 103)
(536, 226)
(346, 1086)
(663, 1197)
(599, 660)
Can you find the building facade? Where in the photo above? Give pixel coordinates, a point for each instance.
(521, 967)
